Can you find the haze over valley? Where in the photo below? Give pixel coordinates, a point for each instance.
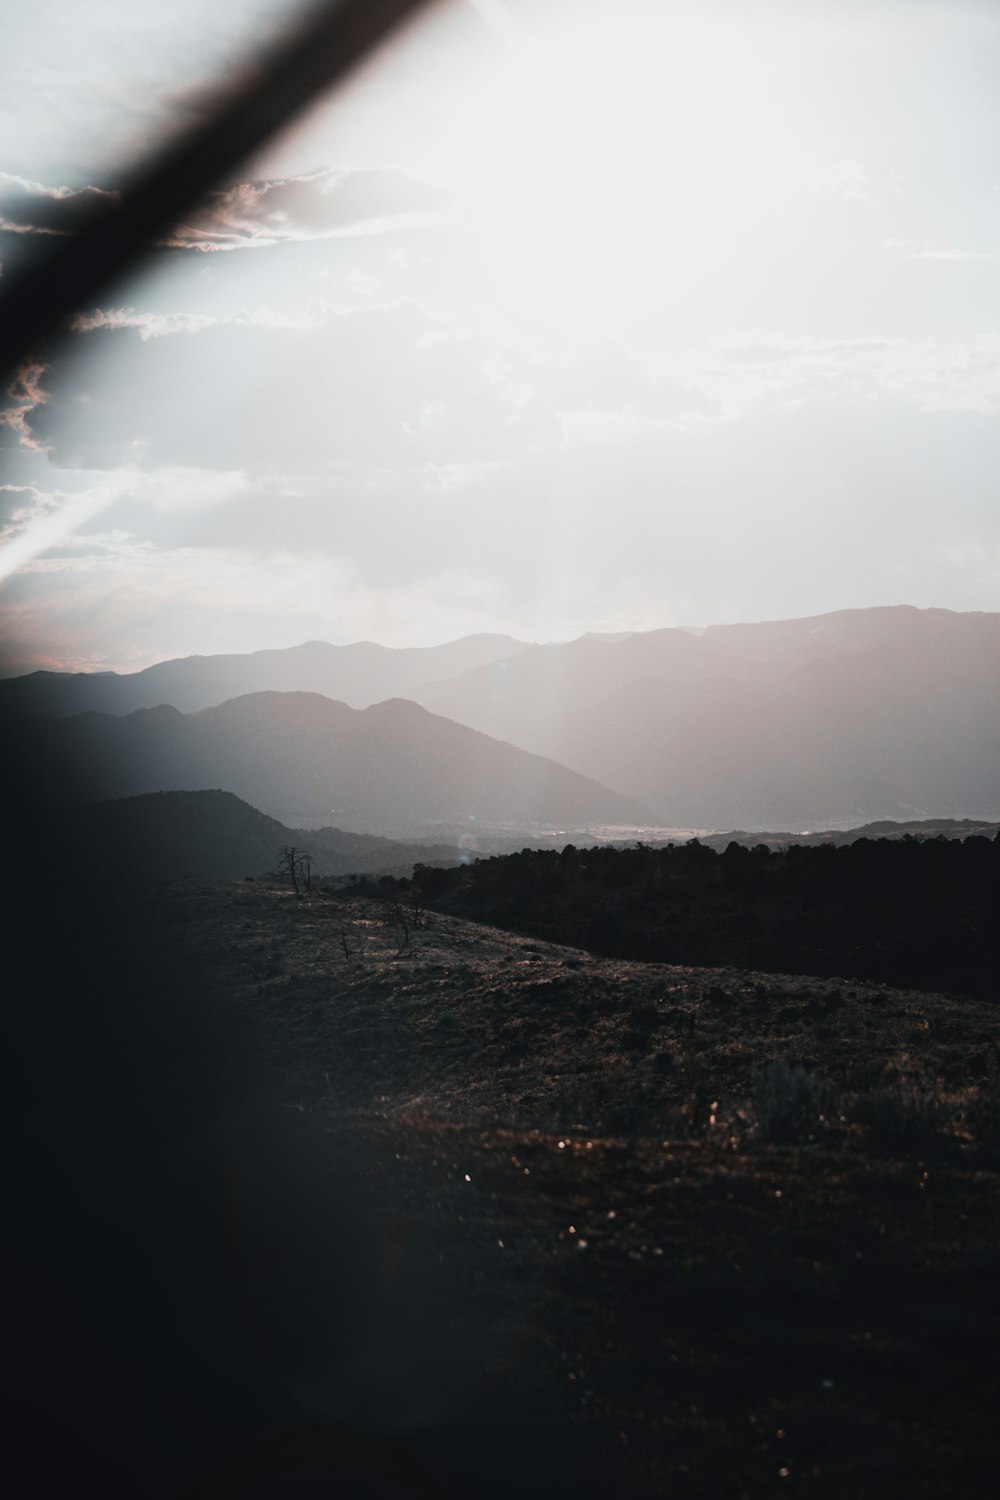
(393, 768)
(831, 721)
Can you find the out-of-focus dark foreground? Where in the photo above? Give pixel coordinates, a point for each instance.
(201, 1291)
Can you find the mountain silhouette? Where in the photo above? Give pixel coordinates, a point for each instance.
(391, 768)
(876, 713)
(832, 720)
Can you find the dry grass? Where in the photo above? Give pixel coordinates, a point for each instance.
(472, 1023)
(680, 1231)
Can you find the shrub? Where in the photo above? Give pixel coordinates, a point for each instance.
(792, 1104)
(267, 961)
(982, 1111)
(902, 1114)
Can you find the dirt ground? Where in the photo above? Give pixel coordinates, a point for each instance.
(595, 1263)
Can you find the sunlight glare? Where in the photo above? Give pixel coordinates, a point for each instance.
(620, 159)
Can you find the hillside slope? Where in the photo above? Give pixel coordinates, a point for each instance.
(213, 835)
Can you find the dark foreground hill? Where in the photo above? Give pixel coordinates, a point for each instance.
(213, 835)
(749, 1222)
(392, 769)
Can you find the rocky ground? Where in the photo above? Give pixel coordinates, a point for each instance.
(634, 1229)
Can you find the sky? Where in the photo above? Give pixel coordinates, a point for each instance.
(604, 315)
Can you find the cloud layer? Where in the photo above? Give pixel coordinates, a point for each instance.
(387, 386)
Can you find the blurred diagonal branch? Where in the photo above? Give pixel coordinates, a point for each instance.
(318, 53)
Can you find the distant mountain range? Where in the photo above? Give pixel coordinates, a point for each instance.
(359, 675)
(394, 768)
(843, 718)
(213, 835)
(929, 828)
(834, 720)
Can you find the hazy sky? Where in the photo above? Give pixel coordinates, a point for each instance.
(565, 315)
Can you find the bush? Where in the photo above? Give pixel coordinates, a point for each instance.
(982, 1111)
(902, 1114)
(792, 1104)
(268, 960)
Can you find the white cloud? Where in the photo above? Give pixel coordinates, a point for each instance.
(912, 251)
(50, 523)
(205, 600)
(36, 524)
(951, 255)
(326, 204)
(843, 179)
(387, 385)
(148, 325)
(23, 396)
(743, 371)
(28, 207)
(20, 505)
(789, 511)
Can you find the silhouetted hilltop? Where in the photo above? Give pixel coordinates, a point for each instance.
(391, 768)
(213, 835)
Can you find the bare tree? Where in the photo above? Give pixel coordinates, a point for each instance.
(296, 865)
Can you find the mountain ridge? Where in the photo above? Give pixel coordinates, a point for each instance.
(391, 768)
(836, 719)
(362, 671)
(846, 717)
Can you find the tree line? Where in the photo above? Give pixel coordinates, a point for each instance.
(912, 912)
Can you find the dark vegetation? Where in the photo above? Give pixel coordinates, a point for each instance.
(910, 912)
(885, 828)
